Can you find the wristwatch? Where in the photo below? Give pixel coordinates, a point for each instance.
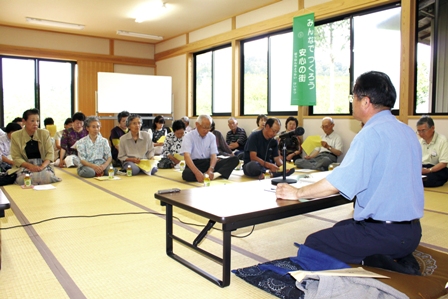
(330, 148)
(430, 170)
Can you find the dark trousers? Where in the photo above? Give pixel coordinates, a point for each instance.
(351, 241)
(223, 166)
(435, 179)
(253, 169)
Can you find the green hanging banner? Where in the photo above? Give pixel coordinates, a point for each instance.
(303, 89)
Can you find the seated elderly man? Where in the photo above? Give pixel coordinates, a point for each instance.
(330, 150)
(261, 152)
(434, 153)
(200, 153)
(236, 138)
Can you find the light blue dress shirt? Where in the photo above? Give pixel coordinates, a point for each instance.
(383, 170)
(199, 147)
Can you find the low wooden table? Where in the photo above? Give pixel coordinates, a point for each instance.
(4, 205)
(233, 206)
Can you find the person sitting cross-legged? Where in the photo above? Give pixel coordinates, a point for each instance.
(200, 154)
(327, 153)
(261, 152)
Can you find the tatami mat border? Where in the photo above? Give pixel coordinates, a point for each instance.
(67, 283)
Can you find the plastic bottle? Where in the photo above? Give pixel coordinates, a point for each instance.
(267, 174)
(111, 172)
(206, 180)
(129, 171)
(27, 180)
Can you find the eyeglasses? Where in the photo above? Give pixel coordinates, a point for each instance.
(205, 128)
(422, 131)
(351, 97)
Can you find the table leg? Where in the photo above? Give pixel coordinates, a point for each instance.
(169, 229)
(226, 252)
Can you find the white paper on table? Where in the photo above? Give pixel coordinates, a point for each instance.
(43, 187)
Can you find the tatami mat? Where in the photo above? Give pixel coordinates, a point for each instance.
(124, 255)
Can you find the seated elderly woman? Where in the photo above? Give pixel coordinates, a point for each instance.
(293, 143)
(172, 145)
(135, 146)
(32, 152)
(93, 151)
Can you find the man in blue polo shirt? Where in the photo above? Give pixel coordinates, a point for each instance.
(200, 153)
(382, 169)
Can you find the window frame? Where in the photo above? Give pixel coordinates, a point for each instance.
(194, 88)
(433, 64)
(268, 69)
(36, 82)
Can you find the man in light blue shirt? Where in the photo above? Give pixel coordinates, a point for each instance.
(382, 170)
(200, 154)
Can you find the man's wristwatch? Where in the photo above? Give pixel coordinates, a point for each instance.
(430, 170)
(212, 168)
(330, 148)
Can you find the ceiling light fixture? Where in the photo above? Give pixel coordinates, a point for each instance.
(151, 11)
(141, 35)
(54, 23)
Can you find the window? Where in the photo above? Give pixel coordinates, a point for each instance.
(51, 91)
(332, 56)
(213, 82)
(377, 45)
(267, 73)
(344, 49)
(431, 66)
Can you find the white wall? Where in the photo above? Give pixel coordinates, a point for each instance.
(177, 69)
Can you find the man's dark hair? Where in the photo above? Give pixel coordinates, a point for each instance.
(29, 112)
(270, 122)
(426, 119)
(48, 121)
(178, 125)
(17, 120)
(122, 114)
(291, 118)
(378, 87)
(79, 116)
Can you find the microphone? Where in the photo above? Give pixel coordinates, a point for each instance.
(299, 131)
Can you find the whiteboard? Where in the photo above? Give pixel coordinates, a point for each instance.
(143, 94)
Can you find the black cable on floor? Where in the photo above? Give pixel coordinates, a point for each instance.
(117, 214)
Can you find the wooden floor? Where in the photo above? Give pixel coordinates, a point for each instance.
(120, 253)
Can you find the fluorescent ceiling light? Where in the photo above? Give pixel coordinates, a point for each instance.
(54, 23)
(141, 35)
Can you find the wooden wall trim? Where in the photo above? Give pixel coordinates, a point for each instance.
(68, 55)
(407, 74)
(323, 11)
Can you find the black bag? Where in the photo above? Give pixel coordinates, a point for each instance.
(165, 163)
(6, 179)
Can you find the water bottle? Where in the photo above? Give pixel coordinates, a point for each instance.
(27, 180)
(267, 174)
(111, 172)
(206, 180)
(129, 171)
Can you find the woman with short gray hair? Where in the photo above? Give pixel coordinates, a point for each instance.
(93, 151)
